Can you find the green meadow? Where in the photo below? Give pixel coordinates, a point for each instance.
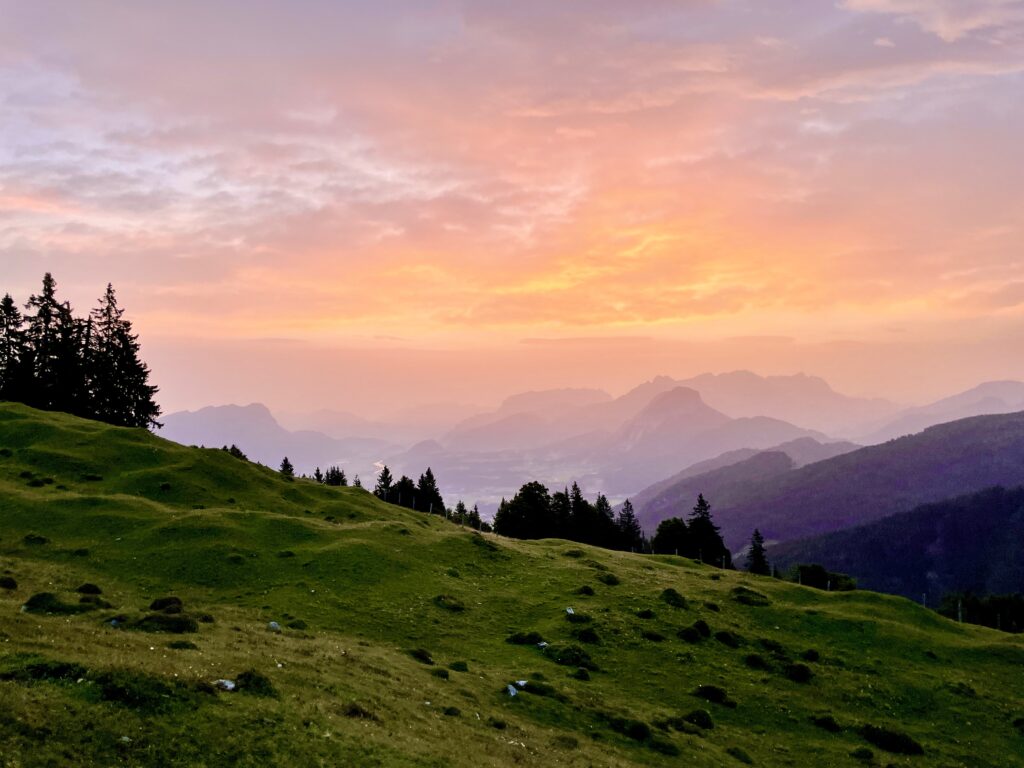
(392, 638)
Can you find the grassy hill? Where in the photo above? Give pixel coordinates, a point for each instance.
(394, 625)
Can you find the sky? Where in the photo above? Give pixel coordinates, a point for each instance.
(375, 205)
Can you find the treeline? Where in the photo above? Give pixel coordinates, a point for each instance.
(535, 513)
(424, 496)
(698, 538)
(1003, 612)
(86, 366)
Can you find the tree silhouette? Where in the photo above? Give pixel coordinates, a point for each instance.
(705, 540)
(428, 496)
(335, 476)
(527, 515)
(235, 451)
(671, 538)
(404, 494)
(631, 536)
(117, 379)
(91, 368)
(287, 470)
(15, 362)
(57, 354)
(757, 558)
(384, 482)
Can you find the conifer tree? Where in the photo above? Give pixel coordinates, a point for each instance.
(603, 532)
(357, 483)
(474, 520)
(15, 363)
(234, 451)
(335, 476)
(561, 514)
(117, 379)
(404, 494)
(54, 336)
(428, 495)
(671, 538)
(527, 515)
(705, 541)
(757, 558)
(318, 476)
(461, 514)
(581, 516)
(287, 470)
(384, 482)
(630, 534)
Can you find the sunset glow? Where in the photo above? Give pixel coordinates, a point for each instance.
(830, 187)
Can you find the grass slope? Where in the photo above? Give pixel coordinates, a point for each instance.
(367, 593)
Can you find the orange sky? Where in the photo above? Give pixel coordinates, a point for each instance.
(829, 187)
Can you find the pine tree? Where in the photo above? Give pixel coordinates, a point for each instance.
(357, 483)
(461, 514)
(671, 538)
(318, 476)
(527, 516)
(404, 494)
(335, 476)
(384, 482)
(757, 558)
(428, 495)
(54, 335)
(604, 532)
(705, 540)
(561, 514)
(287, 470)
(581, 516)
(474, 520)
(15, 362)
(118, 380)
(235, 451)
(631, 536)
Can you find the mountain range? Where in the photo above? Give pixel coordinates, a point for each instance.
(969, 543)
(258, 434)
(857, 487)
(989, 398)
(660, 432)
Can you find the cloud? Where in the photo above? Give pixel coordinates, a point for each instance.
(467, 171)
(950, 20)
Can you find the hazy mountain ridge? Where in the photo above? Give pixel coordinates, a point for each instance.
(258, 434)
(620, 445)
(992, 397)
(872, 482)
(968, 543)
(713, 477)
(800, 399)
